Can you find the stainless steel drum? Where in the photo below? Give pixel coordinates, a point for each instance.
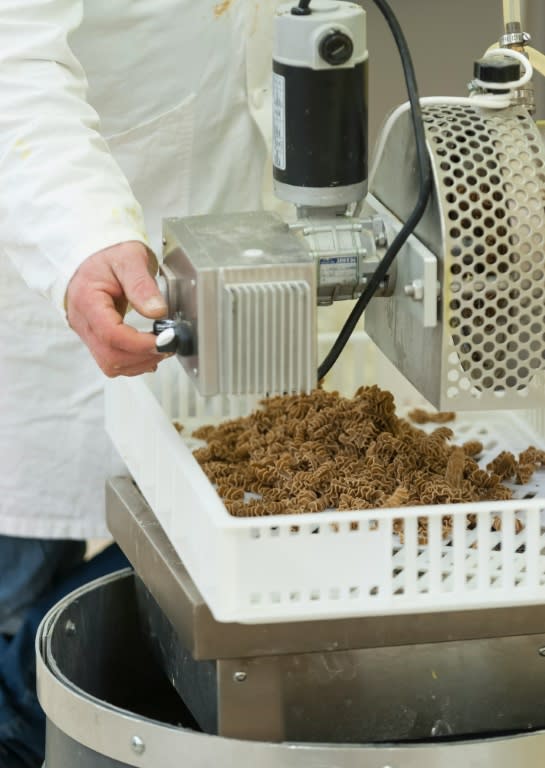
(110, 705)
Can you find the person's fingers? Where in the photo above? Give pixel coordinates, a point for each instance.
(118, 349)
(138, 285)
(109, 329)
(96, 301)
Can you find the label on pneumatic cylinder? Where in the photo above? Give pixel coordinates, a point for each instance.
(279, 121)
(338, 270)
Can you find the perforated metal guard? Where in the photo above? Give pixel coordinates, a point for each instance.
(490, 169)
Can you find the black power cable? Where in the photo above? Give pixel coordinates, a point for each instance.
(425, 174)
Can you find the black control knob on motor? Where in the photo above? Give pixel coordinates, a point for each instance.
(336, 48)
(174, 336)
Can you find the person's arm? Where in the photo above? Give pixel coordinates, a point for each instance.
(68, 219)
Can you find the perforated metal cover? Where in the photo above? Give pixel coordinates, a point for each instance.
(490, 173)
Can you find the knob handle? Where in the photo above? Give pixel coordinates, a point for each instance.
(174, 336)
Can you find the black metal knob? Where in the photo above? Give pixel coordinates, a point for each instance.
(302, 9)
(336, 48)
(174, 336)
(497, 69)
(186, 340)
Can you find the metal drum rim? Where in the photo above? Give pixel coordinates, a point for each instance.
(124, 737)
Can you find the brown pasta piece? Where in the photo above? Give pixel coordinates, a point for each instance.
(473, 448)
(504, 465)
(318, 451)
(454, 473)
(420, 416)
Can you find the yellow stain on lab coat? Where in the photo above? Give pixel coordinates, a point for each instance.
(222, 8)
(22, 149)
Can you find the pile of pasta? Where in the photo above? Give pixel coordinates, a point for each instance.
(320, 451)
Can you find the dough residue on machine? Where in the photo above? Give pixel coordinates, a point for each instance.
(321, 451)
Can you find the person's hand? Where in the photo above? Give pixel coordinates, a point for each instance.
(97, 299)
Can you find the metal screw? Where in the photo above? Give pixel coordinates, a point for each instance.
(70, 628)
(541, 651)
(240, 677)
(415, 290)
(164, 241)
(137, 745)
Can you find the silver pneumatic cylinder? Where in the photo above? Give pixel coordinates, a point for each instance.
(320, 105)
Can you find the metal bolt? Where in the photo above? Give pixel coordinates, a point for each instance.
(137, 745)
(240, 677)
(541, 651)
(164, 241)
(415, 290)
(69, 628)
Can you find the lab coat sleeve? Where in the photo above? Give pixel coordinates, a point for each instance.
(62, 195)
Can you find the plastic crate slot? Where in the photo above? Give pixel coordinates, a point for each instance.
(374, 591)
(294, 530)
(315, 594)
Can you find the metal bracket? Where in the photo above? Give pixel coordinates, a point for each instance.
(416, 281)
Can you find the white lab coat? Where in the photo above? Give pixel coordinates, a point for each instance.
(181, 88)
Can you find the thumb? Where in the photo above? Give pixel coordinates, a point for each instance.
(138, 285)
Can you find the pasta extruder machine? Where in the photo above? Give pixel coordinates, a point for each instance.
(459, 312)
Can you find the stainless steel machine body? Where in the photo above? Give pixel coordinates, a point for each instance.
(244, 288)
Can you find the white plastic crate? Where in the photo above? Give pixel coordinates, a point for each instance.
(330, 564)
